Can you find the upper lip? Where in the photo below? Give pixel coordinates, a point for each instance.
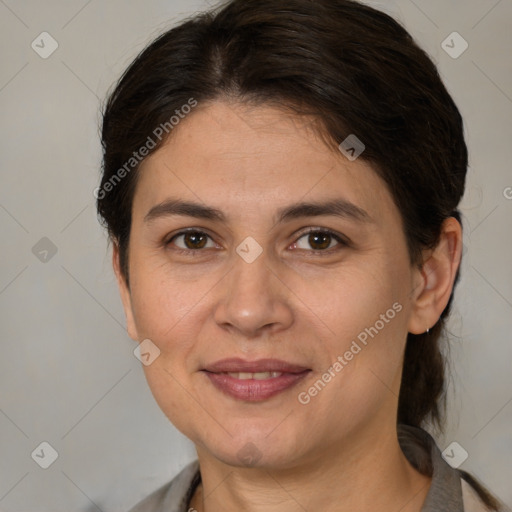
(261, 365)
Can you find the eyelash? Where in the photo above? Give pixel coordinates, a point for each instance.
(343, 242)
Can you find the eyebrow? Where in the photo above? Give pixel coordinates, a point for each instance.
(335, 207)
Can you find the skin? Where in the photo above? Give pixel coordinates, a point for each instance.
(290, 303)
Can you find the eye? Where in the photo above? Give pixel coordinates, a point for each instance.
(191, 240)
(320, 240)
(314, 240)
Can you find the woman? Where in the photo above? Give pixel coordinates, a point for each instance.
(281, 181)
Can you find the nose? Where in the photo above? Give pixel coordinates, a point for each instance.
(254, 299)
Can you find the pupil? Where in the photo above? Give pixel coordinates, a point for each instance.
(315, 239)
(197, 240)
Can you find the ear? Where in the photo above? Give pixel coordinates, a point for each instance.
(124, 291)
(435, 279)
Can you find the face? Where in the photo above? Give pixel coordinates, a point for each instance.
(245, 270)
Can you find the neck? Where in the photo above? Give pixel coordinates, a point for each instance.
(368, 472)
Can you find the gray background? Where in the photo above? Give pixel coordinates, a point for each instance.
(68, 375)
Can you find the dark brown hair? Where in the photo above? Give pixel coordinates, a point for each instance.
(353, 68)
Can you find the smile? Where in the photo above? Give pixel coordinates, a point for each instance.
(254, 387)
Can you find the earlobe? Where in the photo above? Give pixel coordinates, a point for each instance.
(124, 292)
(436, 278)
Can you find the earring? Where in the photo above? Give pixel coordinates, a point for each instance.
(427, 330)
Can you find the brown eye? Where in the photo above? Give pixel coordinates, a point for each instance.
(319, 240)
(195, 240)
(190, 240)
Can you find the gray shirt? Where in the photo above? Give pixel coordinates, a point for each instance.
(448, 491)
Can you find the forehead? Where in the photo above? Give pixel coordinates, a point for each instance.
(228, 154)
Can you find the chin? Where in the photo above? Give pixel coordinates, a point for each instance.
(255, 451)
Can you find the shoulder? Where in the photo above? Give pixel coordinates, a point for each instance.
(451, 489)
(174, 495)
(471, 499)
(478, 499)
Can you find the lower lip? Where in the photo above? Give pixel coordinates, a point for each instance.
(252, 390)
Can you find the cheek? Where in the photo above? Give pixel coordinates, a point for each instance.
(174, 394)
(366, 313)
(162, 299)
(362, 376)
(167, 312)
(353, 298)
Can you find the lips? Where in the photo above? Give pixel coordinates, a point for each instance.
(254, 380)
(261, 365)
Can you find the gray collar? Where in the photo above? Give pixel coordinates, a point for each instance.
(445, 493)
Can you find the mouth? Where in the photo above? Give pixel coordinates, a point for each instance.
(254, 381)
(252, 375)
